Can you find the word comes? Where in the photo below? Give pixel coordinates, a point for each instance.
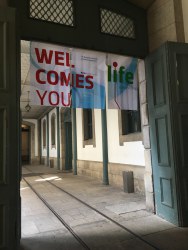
(122, 75)
(53, 77)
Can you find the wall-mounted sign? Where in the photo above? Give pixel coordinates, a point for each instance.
(61, 76)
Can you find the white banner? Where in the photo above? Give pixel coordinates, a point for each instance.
(90, 70)
(122, 82)
(50, 75)
(60, 76)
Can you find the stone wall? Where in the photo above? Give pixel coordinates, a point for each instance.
(148, 175)
(115, 173)
(90, 169)
(165, 23)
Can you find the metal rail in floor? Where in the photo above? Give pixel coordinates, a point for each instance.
(78, 238)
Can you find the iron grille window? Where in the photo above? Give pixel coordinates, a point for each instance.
(116, 24)
(88, 124)
(55, 11)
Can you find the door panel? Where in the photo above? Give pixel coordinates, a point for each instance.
(178, 58)
(9, 133)
(161, 136)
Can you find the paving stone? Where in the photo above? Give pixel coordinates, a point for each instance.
(148, 225)
(176, 239)
(39, 230)
(127, 207)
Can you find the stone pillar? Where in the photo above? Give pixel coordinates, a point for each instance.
(62, 141)
(148, 176)
(165, 23)
(39, 142)
(58, 138)
(74, 140)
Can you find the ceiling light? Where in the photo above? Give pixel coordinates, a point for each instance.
(28, 107)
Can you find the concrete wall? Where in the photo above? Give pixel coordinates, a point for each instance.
(124, 154)
(165, 22)
(89, 152)
(185, 18)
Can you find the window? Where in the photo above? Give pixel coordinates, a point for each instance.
(130, 125)
(130, 120)
(116, 24)
(61, 12)
(53, 130)
(44, 133)
(88, 127)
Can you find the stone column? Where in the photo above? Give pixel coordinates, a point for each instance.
(62, 141)
(148, 176)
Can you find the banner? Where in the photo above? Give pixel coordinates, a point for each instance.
(50, 75)
(61, 76)
(88, 88)
(122, 82)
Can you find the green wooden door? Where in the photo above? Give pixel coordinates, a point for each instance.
(178, 63)
(161, 135)
(9, 134)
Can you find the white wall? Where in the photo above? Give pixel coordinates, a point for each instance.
(89, 152)
(130, 153)
(35, 122)
(185, 18)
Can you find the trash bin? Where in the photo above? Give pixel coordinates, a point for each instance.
(128, 182)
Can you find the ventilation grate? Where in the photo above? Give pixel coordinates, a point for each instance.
(115, 24)
(55, 11)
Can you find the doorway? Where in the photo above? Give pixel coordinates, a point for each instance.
(25, 145)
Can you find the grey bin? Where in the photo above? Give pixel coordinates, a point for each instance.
(128, 182)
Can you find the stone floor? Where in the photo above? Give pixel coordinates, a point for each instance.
(42, 230)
